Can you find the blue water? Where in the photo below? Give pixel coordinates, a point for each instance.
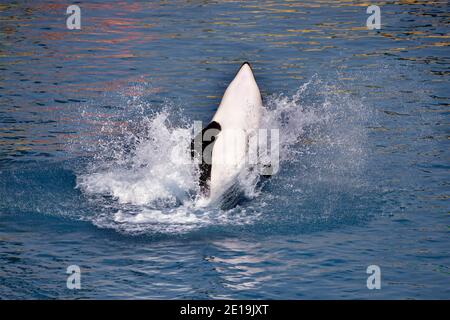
(88, 120)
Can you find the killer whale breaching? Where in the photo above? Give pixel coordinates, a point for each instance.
(223, 145)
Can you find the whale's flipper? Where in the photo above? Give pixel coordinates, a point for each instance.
(201, 148)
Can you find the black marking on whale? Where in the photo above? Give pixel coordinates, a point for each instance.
(201, 148)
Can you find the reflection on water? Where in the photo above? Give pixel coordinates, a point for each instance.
(240, 264)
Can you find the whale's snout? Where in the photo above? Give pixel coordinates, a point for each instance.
(245, 74)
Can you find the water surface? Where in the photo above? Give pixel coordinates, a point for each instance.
(88, 119)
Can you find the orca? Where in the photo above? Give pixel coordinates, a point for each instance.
(222, 145)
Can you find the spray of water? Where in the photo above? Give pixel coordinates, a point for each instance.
(139, 187)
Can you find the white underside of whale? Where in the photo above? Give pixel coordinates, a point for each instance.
(239, 115)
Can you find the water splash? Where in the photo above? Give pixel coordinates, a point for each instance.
(142, 171)
(144, 180)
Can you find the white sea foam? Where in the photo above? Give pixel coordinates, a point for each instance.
(147, 175)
